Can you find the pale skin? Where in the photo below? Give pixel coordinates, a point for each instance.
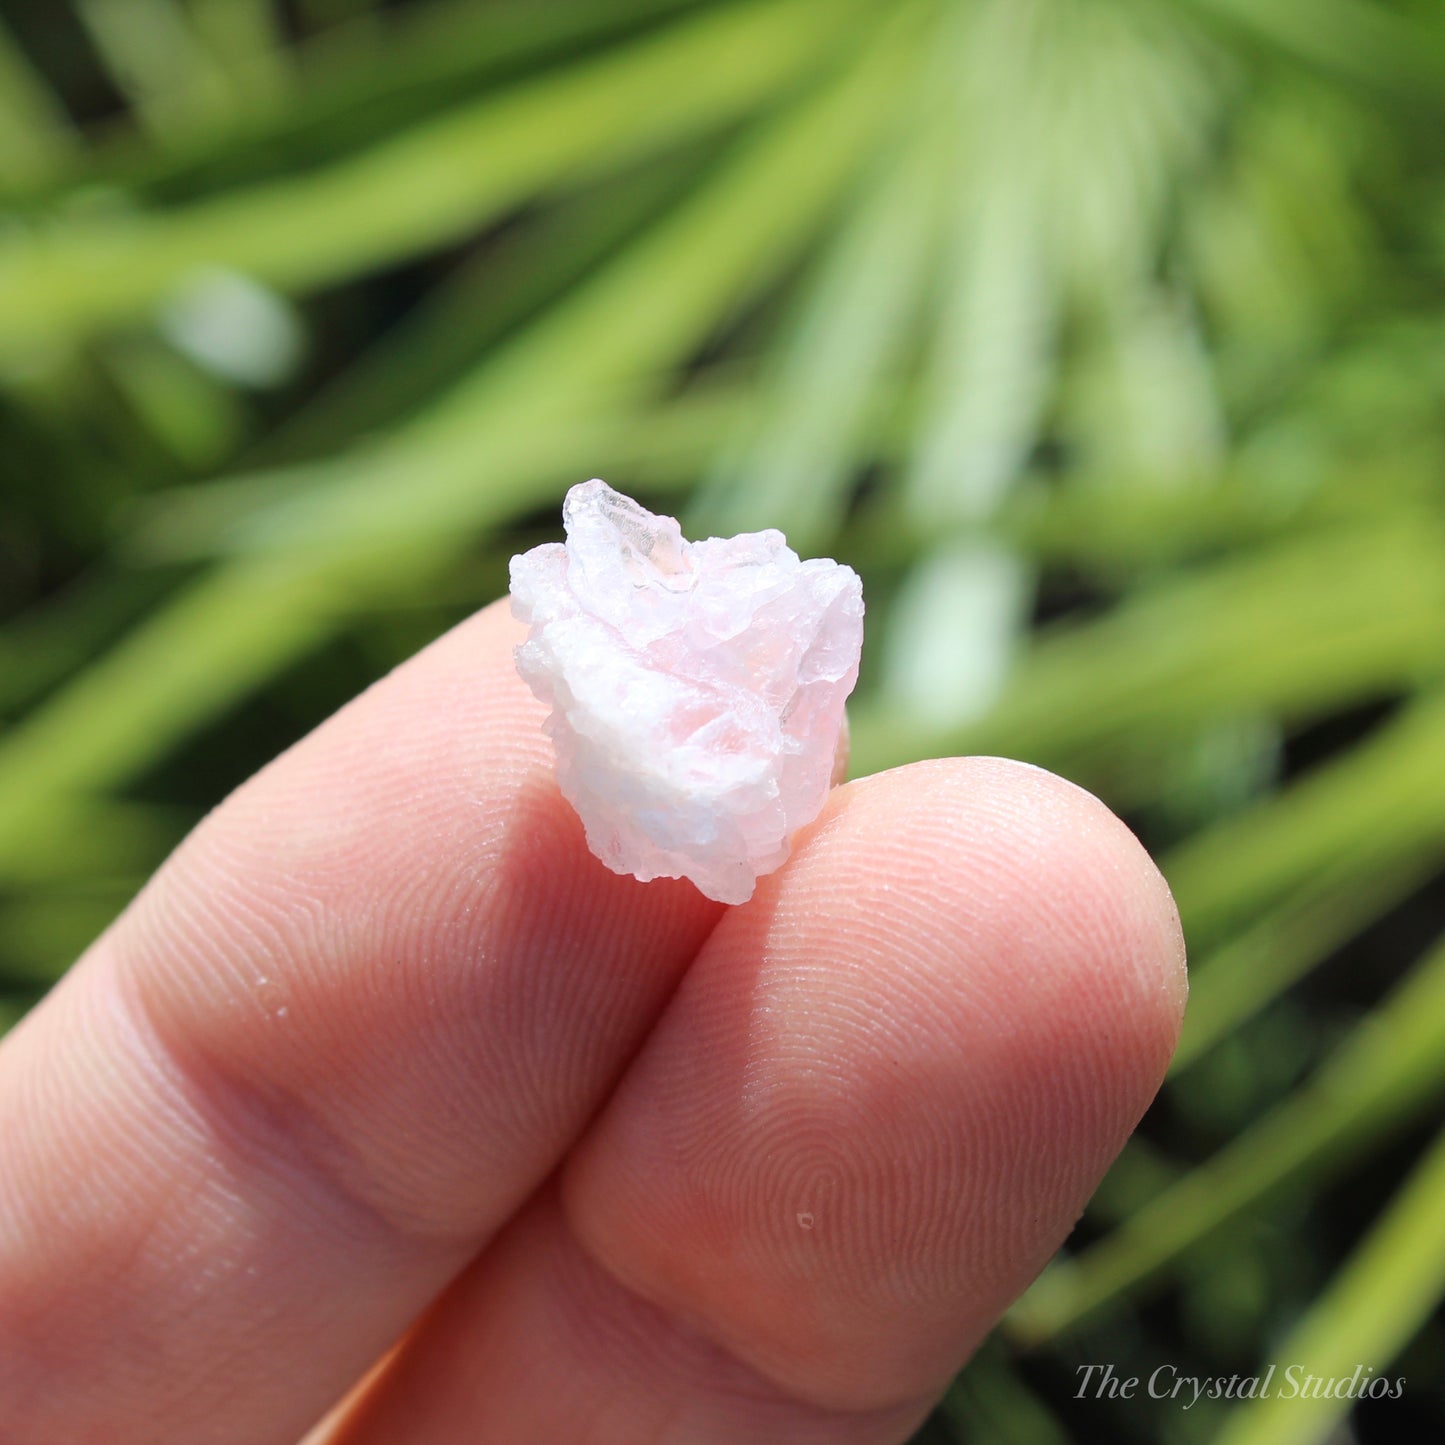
(383, 1053)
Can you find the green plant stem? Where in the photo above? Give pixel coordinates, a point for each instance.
(360, 82)
(1336, 616)
(1388, 1070)
(1380, 804)
(440, 180)
(1375, 1304)
(1254, 968)
(35, 137)
(404, 514)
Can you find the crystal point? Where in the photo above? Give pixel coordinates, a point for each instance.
(696, 688)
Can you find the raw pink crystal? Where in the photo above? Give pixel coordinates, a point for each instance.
(696, 688)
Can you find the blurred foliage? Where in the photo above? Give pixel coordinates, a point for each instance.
(1105, 337)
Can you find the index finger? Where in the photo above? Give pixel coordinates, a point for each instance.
(340, 1037)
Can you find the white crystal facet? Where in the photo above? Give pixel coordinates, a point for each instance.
(696, 688)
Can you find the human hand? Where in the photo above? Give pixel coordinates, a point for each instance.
(383, 1048)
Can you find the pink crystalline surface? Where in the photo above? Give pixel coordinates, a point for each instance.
(696, 688)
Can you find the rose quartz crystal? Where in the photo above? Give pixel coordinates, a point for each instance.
(696, 688)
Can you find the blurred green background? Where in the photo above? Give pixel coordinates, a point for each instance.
(1105, 337)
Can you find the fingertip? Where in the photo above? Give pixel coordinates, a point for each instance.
(1014, 835)
(889, 1082)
